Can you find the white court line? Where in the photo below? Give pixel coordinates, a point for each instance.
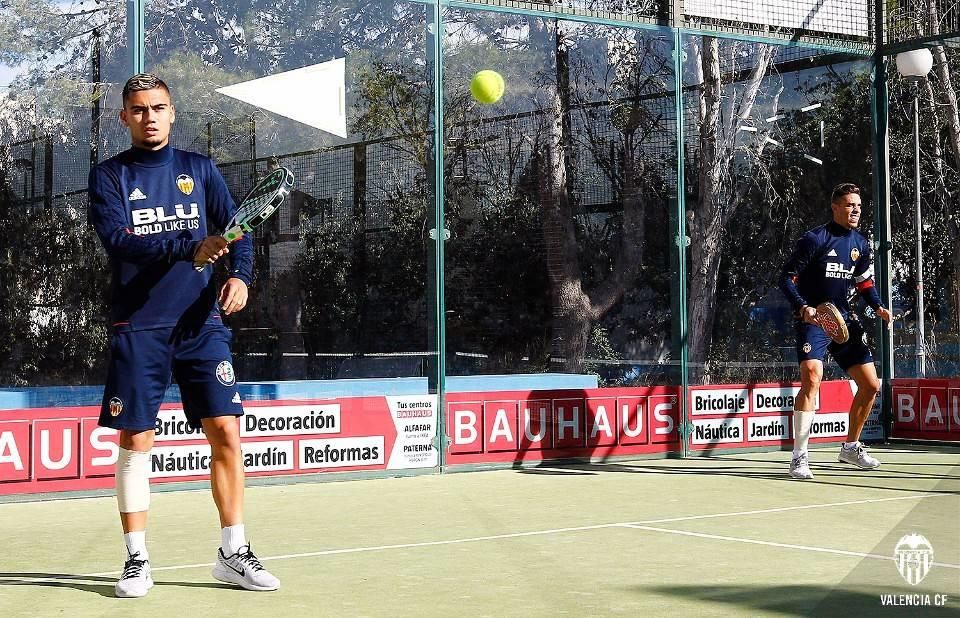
(781, 509)
(514, 535)
(824, 550)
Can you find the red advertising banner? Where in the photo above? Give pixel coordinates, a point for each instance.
(762, 415)
(521, 426)
(926, 408)
(506, 426)
(63, 449)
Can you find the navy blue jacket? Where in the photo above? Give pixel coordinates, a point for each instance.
(151, 209)
(827, 262)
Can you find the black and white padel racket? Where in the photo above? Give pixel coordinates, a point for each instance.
(262, 201)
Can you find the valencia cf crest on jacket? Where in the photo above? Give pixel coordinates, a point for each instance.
(185, 184)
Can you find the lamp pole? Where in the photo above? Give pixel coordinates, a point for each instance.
(918, 225)
(914, 66)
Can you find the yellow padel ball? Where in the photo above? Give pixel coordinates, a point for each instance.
(486, 86)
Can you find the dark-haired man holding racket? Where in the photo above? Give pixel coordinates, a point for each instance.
(826, 262)
(151, 206)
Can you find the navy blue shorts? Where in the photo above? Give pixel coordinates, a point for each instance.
(813, 344)
(143, 362)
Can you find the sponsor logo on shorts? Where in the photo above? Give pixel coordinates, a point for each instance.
(236, 398)
(116, 406)
(807, 347)
(225, 374)
(185, 184)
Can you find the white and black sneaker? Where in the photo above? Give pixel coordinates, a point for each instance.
(857, 455)
(244, 569)
(800, 467)
(135, 580)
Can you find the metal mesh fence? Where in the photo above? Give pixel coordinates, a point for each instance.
(369, 205)
(644, 11)
(907, 20)
(839, 23)
(76, 139)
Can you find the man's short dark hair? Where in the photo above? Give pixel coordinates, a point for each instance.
(142, 81)
(844, 188)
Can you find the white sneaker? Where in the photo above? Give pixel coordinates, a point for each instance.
(858, 456)
(243, 569)
(800, 467)
(135, 580)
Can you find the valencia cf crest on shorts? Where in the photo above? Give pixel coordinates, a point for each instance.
(225, 373)
(854, 254)
(185, 184)
(807, 347)
(116, 406)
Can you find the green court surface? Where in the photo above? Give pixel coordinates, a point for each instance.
(727, 535)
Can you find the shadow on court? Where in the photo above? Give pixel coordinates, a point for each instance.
(88, 583)
(891, 476)
(800, 600)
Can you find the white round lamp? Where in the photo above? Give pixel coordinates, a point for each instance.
(915, 64)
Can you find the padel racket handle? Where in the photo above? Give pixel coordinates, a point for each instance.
(232, 235)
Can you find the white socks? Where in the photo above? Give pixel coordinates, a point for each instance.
(802, 420)
(232, 538)
(136, 542)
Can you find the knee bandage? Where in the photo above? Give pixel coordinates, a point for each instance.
(133, 481)
(802, 420)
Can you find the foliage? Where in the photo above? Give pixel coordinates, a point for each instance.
(588, 121)
(51, 295)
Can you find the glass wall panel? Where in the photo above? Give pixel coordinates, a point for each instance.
(61, 68)
(343, 269)
(924, 183)
(559, 198)
(769, 131)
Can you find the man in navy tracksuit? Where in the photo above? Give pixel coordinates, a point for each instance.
(152, 207)
(826, 262)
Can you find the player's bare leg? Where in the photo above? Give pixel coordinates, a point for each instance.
(811, 373)
(868, 386)
(133, 499)
(236, 562)
(226, 467)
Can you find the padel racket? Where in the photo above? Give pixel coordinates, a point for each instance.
(262, 201)
(831, 321)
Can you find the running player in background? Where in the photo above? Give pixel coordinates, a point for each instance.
(826, 261)
(151, 206)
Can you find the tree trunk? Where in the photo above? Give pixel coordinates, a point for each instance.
(574, 309)
(718, 193)
(942, 71)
